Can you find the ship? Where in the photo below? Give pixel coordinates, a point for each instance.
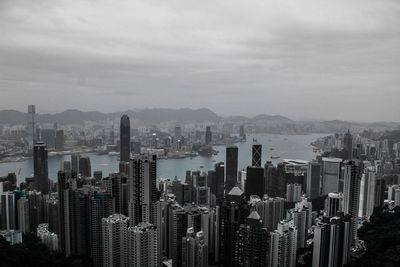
(275, 157)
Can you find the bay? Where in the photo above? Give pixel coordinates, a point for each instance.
(284, 146)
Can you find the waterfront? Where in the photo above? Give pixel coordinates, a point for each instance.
(284, 146)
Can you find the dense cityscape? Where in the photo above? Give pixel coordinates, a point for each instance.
(295, 213)
(187, 133)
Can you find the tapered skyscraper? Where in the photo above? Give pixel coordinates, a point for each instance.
(125, 137)
(231, 167)
(256, 155)
(40, 167)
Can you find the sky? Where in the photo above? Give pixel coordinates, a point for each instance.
(313, 59)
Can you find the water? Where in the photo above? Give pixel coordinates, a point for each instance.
(285, 146)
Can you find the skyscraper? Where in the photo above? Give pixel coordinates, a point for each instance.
(31, 125)
(254, 182)
(339, 241)
(125, 138)
(367, 192)
(84, 167)
(330, 175)
(252, 243)
(8, 211)
(283, 246)
(143, 246)
(233, 213)
(334, 204)
(351, 193)
(271, 211)
(347, 146)
(256, 155)
(142, 189)
(321, 240)
(313, 180)
(293, 192)
(115, 240)
(208, 135)
(231, 166)
(40, 167)
(194, 249)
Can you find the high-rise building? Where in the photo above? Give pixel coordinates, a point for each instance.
(115, 240)
(254, 182)
(48, 238)
(367, 192)
(84, 167)
(100, 206)
(48, 136)
(242, 132)
(256, 155)
(283, 246)
(177, 133)
(233, 212)
(293, 192)
(380, 188)
(208, 135)
(397, 198)
(252, 243)
(351, 193)
(178, 225)
(231, 167)
(330, 175)
(321, 240)
(59, 142)
(31, 125)
(347, 146)
(40, 167)
(143, 246)
(301, 216)
(194, 249)
(334, 204)
(125, 138)
(142, 189)
(339, 241)
(271, 211)
(8, 211)
(313, 180)
(74, 163)
(23, 214)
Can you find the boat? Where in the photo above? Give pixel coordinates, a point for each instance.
(275, 157)
(272, 148)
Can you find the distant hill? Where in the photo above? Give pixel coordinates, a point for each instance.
(73, 116)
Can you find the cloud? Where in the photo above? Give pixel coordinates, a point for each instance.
(266, 55)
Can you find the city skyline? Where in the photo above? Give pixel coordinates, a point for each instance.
(136, 54)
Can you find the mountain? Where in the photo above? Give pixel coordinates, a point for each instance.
(73, 116)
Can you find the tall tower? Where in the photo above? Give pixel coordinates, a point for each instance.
(208, 135)
(256, 155)
(283, 246)
(143, 246)
(231, 167)
(142, 189)
(40, 167)
(351, 194)
(125, 138)
(31, 125)
(251, 245)
(313, 180)
(330, 175)
(254, 182)
(347, 146)
(84, 167)
(115, 237)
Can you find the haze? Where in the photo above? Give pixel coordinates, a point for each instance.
(335, 59)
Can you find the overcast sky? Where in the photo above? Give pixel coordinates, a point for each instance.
(336, 59)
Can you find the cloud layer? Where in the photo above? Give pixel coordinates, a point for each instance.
(304, 59)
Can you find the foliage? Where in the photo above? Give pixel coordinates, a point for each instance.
(33, 253)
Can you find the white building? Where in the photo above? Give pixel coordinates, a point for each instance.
(283, 246)
(114, 237)
(142, 246)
